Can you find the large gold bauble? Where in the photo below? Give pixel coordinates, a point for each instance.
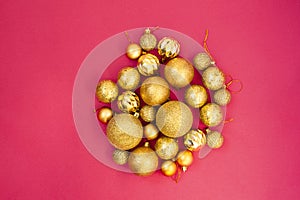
(148, 40)
(222, 97)
(211, 114)
(143, 161)
(213, 78)
(129, 78)
(133, 51)
(202, 61)
(154, 91)
(185, 158)
(147, 113)
(174, 119)
(105, 114)
(124, 131)
(194, 140)
(166, 148)
(129, 102)
(150, 131)
(168, 47)
(196, 96)
(179, 72)
(214, 139)
(107, 91)
(148, 64)
(168, 168)
(120, 157)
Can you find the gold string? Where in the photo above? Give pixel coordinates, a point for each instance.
(205, 45)
(230, 83)
(127, 36)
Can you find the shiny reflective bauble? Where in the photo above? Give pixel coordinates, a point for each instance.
(194, 140)
(211, 114)
(213, 78)
(148, 64)
(222, 97)
(185, 158)
(214, 139)
(168, 47)
(166, 148)
(147, 113)
(196, 96)
(202, 61)
(168, 168)
(148, 40)
(120, 157)
(129, 102)
(150, 131)
(105, 114)
(133, 51)
(129, 78)
(107, 91)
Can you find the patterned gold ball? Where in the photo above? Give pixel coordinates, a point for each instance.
(194, 140)
(214, 139)
(147, 113)
(211, 114)
(168, 47)
(129, 102)
(196, 96)
(222, 97)
(213, 78)
(107, 91)
(166, 148)
(148, 40)
(148, 64)
(120, 157)
(202, 61)
(129, 78)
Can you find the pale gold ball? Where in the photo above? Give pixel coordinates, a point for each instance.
(150, 131)
(166, 148)
(213, 78)
(214, 139)
(211, 114)
(120, 157)
(147, 113)
(129, 78)
(185, 158)
(129, 102)
(196, 96)
(148, 64)
(105, 114)
(168, 168)
(168, 47)
(133, 51)
(222, 97)
(202, 61)
(194, 140)
(148, 40)
(107, 91)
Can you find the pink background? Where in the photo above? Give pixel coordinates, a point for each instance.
(42, 46)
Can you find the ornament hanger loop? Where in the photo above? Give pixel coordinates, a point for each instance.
(127, 36)
(205, 45)
(237, 81)
(228, 120)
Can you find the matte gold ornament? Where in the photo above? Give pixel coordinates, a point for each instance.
(196, 96)
(166, 148)
(133, 51)
(124, 131)
(148, 113)
(120, 157)
(129, 78)
(148, 64)
(214, 139)
(179, 72)
(154, 91)
(148, 40)
(168, 168)
(202, 61)
(107, 91)
(105, 114)
(129, 102)
(211, 114)
(150, 131)
(213, 78)
(143, 161)
(174, 119)
(194, 140)
(222, 97)
(185, 159)
(168, 47)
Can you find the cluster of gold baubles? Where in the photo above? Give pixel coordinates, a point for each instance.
(161, 120)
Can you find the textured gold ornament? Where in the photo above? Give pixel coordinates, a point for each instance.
(168, 168)
(179, 72)
(129, 78)
(143, 161)
(124, 131)
(194, 140)
(214, 139)
(133, 51)
(105, 114)
(174, 119)
(120, 157)
(107, 91)
(148, 64)
(150, 131)
(154, 91)
(213, 78)
(211, 114)
(166, 148)
(168, 47)
(185, 158)
(129, 102)
(222, 97)
(202, 61)
(147, 113)
(196, 96)
(148, 40)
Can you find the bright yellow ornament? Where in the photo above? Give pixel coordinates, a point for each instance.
(147, 113)
(168, 168)
(222, 97)
(211, 114)
(213, 78)
(150, 131)
(107, 91)
(105, 114)
(148, 64)
(166, 148)
(194, 140)
(196, 96)
(185, 159)
(202, 61)
(129, 102)
(148, 40)
(133, 51)
(214, 139)
(129, 78)
(168, 47)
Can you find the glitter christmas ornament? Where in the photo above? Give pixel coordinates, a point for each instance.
(168, 47)
(213, 78)
(129, 102)
(214, 139)
(148, 41)
(166, 148)
(211, 114)
(168, 168)
(148, 64)
(107, 91)
(133, 51)
(196, 96)
(105, 114)
(222, 97)
(120, 157)
(147, 113)
(202, 61)
(129, 78)
(194, 140)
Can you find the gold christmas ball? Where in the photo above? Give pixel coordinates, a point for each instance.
(185, 158)
(196, 96)
(148, 113)
(214, 139)
(148, 64)
(143, 161)
(168, 168)
(168, 47)
(154, 91)
(150, 131)
(166, 148)
(202, 61)
(148, 40)
(211, 114)
(133, 51)
(129, 102)
(222, 97)
(179, 72)
(129, 78)
(107, 91)
(120, 157)
(124, 131)
(105, 114)
(213, 78)
(194, 140)
(174, 119)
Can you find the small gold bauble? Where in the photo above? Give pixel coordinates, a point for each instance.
(124, 131)
(155, 91)
(150, 131)
(148, 40)
(179, 72)
(133, 51)
(168, 168)
(148, 64)
(222, 97)
(128, 78)
(143, 161)
(196, 96)
(105, 114)
(202, 61)
(214, 139)
(213, 78)
(129, 102)
(194, 140)
(185, 158)
(211, 114)
(168, 47)
(148, 113)
(174, 119)
(107, 91)
(166, 148)
(120, 157)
